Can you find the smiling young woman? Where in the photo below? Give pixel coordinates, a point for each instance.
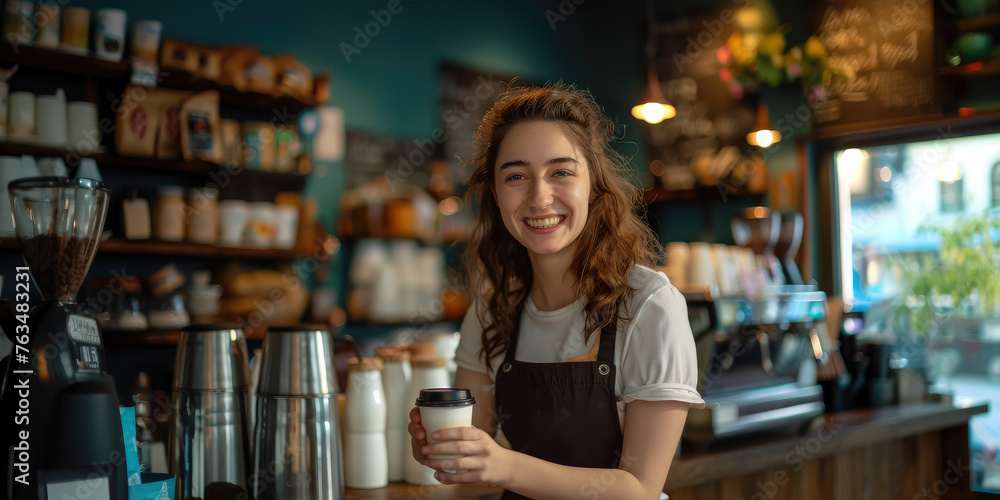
(575, 348)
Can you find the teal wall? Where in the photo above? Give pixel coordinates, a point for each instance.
(392, 85)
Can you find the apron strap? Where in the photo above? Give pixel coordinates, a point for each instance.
(607, 352)
(512, 341)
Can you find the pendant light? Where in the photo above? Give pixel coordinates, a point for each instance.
(653, 106)
(763, 135)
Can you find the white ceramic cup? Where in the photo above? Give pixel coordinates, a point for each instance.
(700, 270)
(262, 224)
(47, 19)
(4, 88)
(11, 169)
(52, 167)
(233, 215)
(21, 121)
(109, 37)
(50, 119)
(82, 133)
(287, 225)
(146, 40)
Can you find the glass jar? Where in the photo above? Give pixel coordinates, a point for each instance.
(203, 220)
(117, 303)
(167, 310)
(170, 208)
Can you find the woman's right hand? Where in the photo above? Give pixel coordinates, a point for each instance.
(418, 436)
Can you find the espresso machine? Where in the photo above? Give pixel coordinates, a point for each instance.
(758, 360)
(67, 439)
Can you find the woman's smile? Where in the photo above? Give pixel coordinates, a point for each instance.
(546, 224)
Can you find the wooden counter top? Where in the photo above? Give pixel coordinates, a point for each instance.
(409, 491)
(832, 433)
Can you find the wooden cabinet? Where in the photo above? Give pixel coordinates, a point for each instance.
(900, 452)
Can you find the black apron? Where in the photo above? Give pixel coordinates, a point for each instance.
(564, 412)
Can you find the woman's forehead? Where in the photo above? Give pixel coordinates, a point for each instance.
(539, 139)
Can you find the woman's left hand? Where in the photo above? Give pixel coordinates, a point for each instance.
(481, 459)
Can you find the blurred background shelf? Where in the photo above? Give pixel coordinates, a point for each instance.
(289, 180)
(228, 95)
(975, 69)
(168, 249)
(140, 338)
(65, 62)
(700, 193)
(980, 23)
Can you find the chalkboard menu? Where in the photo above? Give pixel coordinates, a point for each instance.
(371, 155)
(466, 95)
(889, 45)
(706, 139)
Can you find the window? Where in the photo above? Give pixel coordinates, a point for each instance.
(996, 184)
(952, 200)
(884, 242)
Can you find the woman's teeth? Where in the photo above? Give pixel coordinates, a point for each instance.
(544, 223)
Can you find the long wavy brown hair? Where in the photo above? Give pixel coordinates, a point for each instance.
(614, 237)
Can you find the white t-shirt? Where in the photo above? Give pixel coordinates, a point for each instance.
(655, 358)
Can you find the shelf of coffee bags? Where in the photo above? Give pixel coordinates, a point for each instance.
(170, 249)
(34, 56)
(278, 104)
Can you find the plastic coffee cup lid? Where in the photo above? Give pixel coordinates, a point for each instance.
(445, 397)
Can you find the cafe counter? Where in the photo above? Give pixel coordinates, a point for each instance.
(894, 452)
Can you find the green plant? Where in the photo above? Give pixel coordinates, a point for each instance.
(967, 271)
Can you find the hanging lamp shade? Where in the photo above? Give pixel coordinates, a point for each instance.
(653, 107)
(763, 135)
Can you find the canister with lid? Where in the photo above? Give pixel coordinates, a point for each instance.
(169, 218)
(429, 372)
(365, 450)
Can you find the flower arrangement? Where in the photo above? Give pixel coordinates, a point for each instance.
(752, 57)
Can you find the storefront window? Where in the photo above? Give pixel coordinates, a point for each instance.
(896, 250)
(996, 185)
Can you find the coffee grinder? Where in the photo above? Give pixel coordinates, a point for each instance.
(67, 438)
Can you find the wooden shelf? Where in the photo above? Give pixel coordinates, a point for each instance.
(701, 193)
(198, 167)
(163, 248)
(30, 55)
(57, 60)
(179, 80)
(981, 23)
(914, 128)
(140, 338)
(976, 69)
(168, 249)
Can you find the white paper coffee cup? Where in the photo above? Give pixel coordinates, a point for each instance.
(444, 408)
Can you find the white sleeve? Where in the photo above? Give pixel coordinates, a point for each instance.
(659, 361)
(467, 355)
